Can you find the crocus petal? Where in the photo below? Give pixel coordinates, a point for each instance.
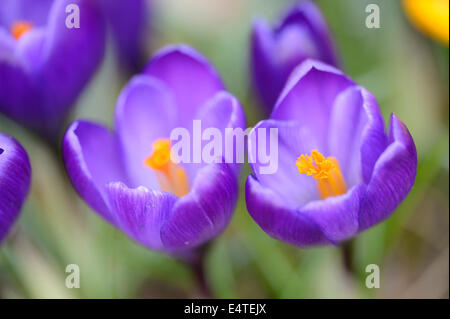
(205, 211)
(33, 11)
(7, 44)
(93, 160)
(308, 14)
(222, 111)
(275, 53)
(356, 135)
(145, 112)
(17, 94)
(308, 97)
(128, 21)
(46, 73)
(374, 140)
(15, 174)
(64, 71)
(140, 212)
(336, 216)
(392, 178)
(280, 172)
(29, 49)
(276, 219)
(263, 67)
(190, 77)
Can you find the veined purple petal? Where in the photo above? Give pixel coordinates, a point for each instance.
(189, 76)
(336, 216)
(356, 134)
(308, 97)
(140, 212)
(15, 173)
(93, 160)
(205, 211)
(145, 112)
(278, 220)
(374, 138)
(392, 178)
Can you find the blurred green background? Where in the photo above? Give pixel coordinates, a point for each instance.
(406, 71)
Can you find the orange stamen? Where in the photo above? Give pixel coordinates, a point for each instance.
(171, 177)
(326, 171)
(19, 28)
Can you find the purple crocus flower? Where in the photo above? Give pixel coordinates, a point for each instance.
(15, 172)
(275, 52)
(44, 65)
(127, 176)
(128, 21)
(338, 173)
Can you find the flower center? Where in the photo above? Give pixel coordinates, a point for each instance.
(19, 28)
(325, 170)
(171, 177)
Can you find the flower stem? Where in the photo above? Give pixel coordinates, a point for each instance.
(8, 261)
(348, 248)
(197, 264)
